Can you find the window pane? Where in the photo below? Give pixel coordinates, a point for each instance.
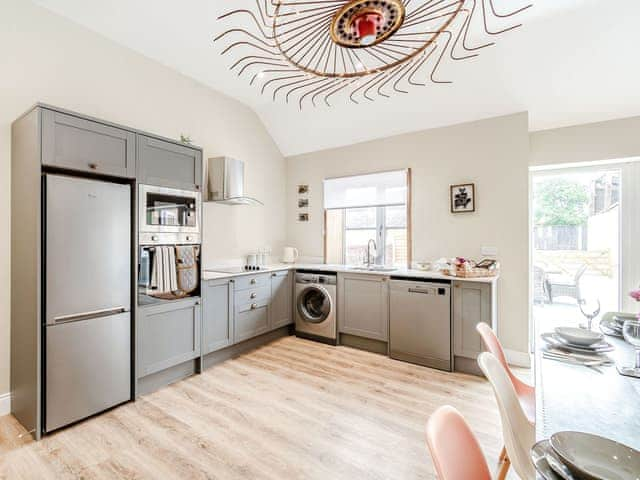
(360, 218)
(396, 247)
(356, 245)
(396, 216)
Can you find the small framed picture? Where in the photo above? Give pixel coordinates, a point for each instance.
(303, 203)
(463, 198)
(303, 189)
(303, 217)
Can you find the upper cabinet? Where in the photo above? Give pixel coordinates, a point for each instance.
(78, 144)
(168, 164)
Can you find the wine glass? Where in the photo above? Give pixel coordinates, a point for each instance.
(631, 333)
(590, 309)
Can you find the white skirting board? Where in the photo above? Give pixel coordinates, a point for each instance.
(5, 404)
(518, 359)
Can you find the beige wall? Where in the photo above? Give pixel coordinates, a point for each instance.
(494, 154)
(612, 140)
(46, 58)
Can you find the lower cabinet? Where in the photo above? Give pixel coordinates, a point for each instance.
(280, 311)
(363, 306)
(168, 335)
(217, 317)
(473, 302)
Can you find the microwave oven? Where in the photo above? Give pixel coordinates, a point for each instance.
(169, 213)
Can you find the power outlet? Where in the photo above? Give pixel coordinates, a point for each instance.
(489, 251)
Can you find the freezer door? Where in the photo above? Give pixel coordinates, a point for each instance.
(88, 248)
(88, 368)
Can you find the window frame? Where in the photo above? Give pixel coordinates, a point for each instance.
(380, 228)
(380, 234)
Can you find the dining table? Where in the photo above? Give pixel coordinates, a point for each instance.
(593, 400)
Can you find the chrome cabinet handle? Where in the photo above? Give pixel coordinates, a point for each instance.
(253, 295)
(253, 281)
(254, 306)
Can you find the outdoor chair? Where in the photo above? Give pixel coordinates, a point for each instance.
(565, 286)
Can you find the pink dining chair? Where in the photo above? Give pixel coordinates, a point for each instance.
(454, 448)
(526, 393)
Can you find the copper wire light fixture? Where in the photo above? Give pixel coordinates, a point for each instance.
(314, 50)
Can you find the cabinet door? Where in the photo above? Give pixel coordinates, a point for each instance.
(217, 315)
(251, 320)
(364, 306)
(281, 306)
(79, 144)
(471, 305)
(168, 335)
(167, 164)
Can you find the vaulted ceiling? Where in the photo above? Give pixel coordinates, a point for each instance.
(573, 61)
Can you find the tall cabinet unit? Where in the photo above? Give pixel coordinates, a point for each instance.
(58, 350)
(68, 170)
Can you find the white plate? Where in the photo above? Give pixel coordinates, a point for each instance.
(596, 458)
(579, 336)
(554, 341)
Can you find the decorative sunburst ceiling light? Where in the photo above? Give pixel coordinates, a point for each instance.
(313, 51)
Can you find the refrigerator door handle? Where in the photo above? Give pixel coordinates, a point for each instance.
(107, 312)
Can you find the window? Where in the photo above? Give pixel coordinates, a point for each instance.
(382, 218)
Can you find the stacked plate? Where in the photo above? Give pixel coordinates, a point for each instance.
(583, 456)
(577, 340)
(611, 323)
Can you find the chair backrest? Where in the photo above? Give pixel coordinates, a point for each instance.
(454, 448)
(579, 273)
(494, 346)
(518, 432)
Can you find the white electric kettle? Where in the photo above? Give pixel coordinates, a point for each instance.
(290, 255)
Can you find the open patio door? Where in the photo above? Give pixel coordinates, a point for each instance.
(584, 220)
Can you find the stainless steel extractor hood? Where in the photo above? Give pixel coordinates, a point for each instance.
(225, 182)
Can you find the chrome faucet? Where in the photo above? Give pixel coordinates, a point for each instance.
(375, 247)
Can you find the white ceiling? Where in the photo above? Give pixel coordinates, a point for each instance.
(573, 61)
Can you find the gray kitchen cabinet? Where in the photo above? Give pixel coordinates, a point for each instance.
(363, 306)
(169, 334)
(281, 303)
(473, 302)
(217, 315)
(76, 143)
(168, 164)
(251, 320)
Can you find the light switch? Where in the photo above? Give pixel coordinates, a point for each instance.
(489, 251)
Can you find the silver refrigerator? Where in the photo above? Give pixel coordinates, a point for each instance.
(88, 298)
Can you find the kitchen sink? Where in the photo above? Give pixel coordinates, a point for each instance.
(374, 268)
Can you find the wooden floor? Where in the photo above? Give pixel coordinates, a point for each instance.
(291, 409)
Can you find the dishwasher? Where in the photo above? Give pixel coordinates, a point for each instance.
(420, 322)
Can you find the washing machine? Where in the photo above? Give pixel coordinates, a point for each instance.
(315, 306)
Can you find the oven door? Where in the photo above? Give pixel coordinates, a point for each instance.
(168, 210)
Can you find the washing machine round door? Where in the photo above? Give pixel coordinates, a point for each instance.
(314, 304)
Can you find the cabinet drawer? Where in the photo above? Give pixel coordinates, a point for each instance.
(251, 322)
(79, 144)
(244, 307)
(252, 295)
(168, 164)
(252, 281)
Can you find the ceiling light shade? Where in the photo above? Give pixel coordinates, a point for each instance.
(317, 51)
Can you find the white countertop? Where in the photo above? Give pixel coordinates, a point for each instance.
(211, 274)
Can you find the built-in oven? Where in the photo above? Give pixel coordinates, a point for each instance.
(168, 272)
(168, 216)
